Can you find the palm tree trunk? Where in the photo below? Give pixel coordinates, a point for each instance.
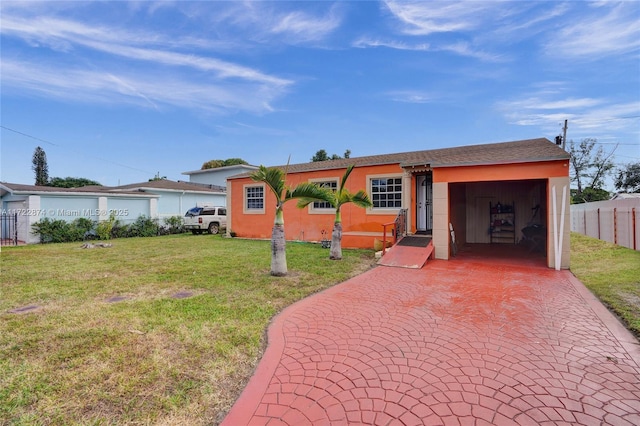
(336, 242)
(278, 252)
(278, 246)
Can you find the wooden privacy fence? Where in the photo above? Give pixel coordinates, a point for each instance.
(615, 221)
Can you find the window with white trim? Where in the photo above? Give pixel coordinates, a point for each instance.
(254, 198)
(386, 192)
(329, 184)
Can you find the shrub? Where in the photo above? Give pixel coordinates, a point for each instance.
(105, 227)
(174, 224)
(51, 231)
(144, 227)
(83, 229)
(60, 231)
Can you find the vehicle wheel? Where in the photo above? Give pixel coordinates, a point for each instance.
(213, 228)
(194, 231)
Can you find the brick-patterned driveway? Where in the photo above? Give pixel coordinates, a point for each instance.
(454, 343)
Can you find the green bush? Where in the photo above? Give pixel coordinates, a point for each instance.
(51, 231)
(60, 231)
(83, 229)
(104, 228)
(144, 227)
(174, 224)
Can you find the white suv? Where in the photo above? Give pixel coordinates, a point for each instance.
(210, 219)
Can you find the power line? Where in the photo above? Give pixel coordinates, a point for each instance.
(61, 146)
(29, 136)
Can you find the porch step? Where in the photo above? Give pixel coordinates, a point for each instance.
(413, 256)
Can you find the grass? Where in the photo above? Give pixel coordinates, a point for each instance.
(612, 273)
(81, 358)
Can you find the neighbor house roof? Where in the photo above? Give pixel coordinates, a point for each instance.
(20, 189)
(524, 151)
(241, 167)
(170, 185)
(626, 196)
(130, 189)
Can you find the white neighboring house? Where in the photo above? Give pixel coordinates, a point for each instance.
(176, 198)
(219, 175)
(154, 199)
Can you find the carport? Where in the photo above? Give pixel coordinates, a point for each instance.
(476, 221)
(489, 203)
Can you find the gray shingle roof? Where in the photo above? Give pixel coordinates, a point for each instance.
(524, 151)
(134, 188)
(172, 185)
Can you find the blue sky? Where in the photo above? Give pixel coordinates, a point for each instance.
(119, 91)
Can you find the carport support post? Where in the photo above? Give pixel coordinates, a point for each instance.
(558, 236)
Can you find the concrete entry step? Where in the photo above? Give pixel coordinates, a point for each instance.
(410, 252)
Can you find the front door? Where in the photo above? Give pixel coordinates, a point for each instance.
(424, 207)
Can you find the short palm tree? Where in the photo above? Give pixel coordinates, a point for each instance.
(337, 199)
(274, 178)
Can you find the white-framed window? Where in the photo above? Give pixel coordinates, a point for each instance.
(254, 199)
(385, 192)
(323, 206)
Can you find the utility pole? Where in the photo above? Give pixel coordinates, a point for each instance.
(564, 136)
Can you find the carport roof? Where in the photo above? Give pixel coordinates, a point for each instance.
(523, 151)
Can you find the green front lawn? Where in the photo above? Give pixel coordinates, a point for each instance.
(113, 340)
(81, 357)
(612, 273)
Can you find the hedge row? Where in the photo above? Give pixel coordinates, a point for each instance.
(82, 229)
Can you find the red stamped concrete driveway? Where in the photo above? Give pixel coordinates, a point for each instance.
(454, 343)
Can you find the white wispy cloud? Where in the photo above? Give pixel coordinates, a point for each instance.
(85, 62)
(423, 18)
(306, 27)
(460, 20)
(606, 29)
(65, 35)
(145, 90)
(296, 23)
(539, 103)
(364, 42)
(588, 117)
(461, 48)
(410, 96)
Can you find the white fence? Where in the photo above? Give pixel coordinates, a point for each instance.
(615, 221)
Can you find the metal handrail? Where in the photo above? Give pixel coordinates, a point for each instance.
(399, 229)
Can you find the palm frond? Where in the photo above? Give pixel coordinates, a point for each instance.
(361, 199)
(345, 177)
(273, 177)
(309, 191)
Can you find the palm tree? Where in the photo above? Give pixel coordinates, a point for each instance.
(337, 199)
(274, 178)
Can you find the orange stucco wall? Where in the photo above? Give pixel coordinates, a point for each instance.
(497, 172)
(360, 226)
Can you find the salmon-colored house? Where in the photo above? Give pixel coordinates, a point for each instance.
(486, 193)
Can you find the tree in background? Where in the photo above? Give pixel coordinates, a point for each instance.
(337, 199)
(628, 178)
(40, 166)
(71, 182)
(322, 155)
(157, 177)
(589, 168)
(274, 178)
(214, 164)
